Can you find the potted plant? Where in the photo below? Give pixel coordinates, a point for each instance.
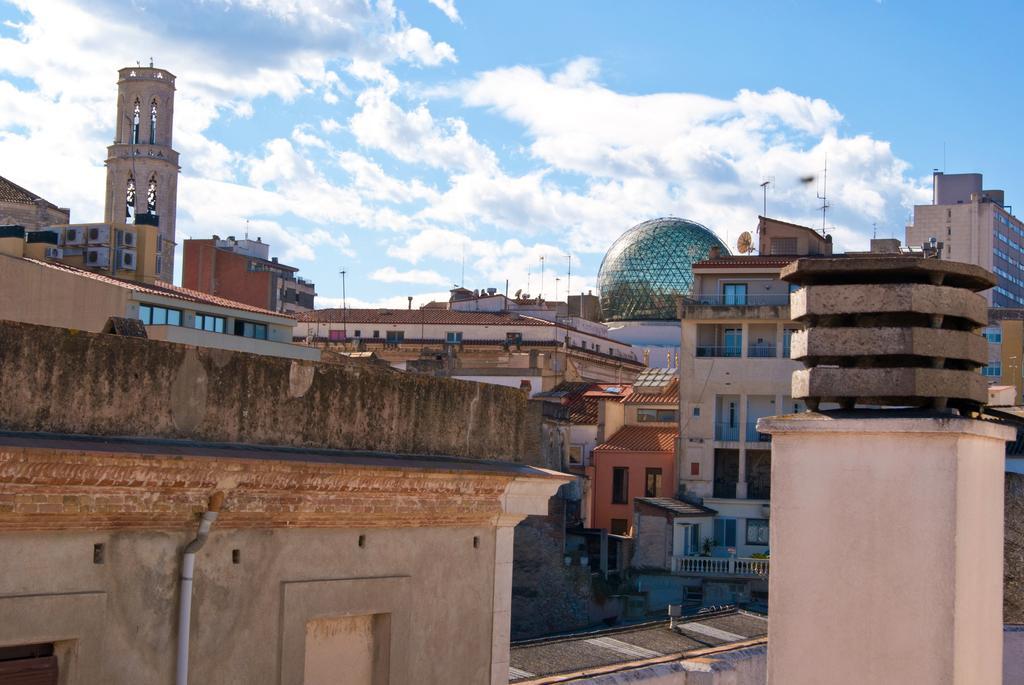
(705, 547)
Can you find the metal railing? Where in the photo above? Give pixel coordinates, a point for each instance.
(761, 350)
(754, 435)
(724, 489)
(734, 300)
(721, 566)
(726, 431)
(759, 488)
(719, 351)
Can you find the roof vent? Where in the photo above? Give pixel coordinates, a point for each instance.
(889, 331)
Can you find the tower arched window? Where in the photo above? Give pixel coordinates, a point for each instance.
(129, 201)
(151, 195)
(152, 122)
(135, 122)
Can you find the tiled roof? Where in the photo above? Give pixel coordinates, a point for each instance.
(641, 439)
(583, 656)
(12, 192)
(677, 506)
(160, 288)
(745, 260)
(670, 395)
(415, 316)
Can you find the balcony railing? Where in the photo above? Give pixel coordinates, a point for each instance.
(759, 488)
(724, 489)
(727, 431)
(761, 351)
(754, 435)
(719, 350)
(716, 566)
(734, 300)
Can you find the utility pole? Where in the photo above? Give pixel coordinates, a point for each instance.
(542, 277)
(568, 285)
(344, 309)
(764, 193)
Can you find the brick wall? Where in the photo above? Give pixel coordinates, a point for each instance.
(547, 596)
(1013, 550)
(65, 381)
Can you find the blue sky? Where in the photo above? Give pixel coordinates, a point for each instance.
(397, 139)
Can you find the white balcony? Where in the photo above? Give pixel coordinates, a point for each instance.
(744, 567)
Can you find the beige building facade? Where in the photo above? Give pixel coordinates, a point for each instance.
(330, 541)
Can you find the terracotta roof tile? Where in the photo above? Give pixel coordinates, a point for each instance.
(745, 260)
(12, 192)
(641, 439)
(159, 288)
(415, 316)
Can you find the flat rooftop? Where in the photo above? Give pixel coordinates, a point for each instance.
(586, 652)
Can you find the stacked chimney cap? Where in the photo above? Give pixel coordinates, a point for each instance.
(889, 331)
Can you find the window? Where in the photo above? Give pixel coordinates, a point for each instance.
(696, 412)
(619, 527)
(395, 337)
(993, 334)
(248, 329)
(136, 114)
(661, 415)
(159, 316)
(357, 333)
(620, 485)
(652, 486)
(208, 322)
(151, 195)
(152, 122)
(514, 338)
(787, 341)
(694, 468)
(992, 369)
(757, 531)
(733, 338)
(725, 532)
(129, 201)
(734, 293)
(576, 455)
(376, 334)
(453, 337)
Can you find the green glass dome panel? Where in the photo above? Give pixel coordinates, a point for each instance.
(649, 265)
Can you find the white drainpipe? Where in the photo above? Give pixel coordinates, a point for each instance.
(188, 565)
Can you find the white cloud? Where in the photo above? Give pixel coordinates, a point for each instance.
(449, 9)
(390, 274)
(415, 45)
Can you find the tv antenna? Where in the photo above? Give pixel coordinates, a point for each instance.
(542, 277)
(823, 196)
(768, 181)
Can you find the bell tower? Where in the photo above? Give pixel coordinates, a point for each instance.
(142, 169)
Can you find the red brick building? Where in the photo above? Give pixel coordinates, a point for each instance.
(241, 270)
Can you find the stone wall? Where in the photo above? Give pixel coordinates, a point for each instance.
(547, 596)
(1013, 550)
(32, 216)
(64, 381)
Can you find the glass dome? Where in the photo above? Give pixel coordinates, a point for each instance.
(649, 265)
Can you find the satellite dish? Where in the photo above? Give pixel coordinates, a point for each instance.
(745, 243)
(518, 293)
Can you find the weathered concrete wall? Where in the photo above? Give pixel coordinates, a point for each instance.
(61, 381)
(547, 596)
(1013, 550)
(249, 620)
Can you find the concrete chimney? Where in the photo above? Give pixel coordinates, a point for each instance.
(887, 522)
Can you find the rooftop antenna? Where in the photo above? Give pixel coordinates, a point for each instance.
(568, 285)
(150, 62)
(874, 230)
(557, 279)
(768, 180)
(344, 308)
(542, 277)
(463, 281)
(246, 229)
(824, 195)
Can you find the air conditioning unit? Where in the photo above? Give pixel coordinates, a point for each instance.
(126, 238)
(54, 253)
(98, 235)
(74, 235)
(97, 257)
(126, 260)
